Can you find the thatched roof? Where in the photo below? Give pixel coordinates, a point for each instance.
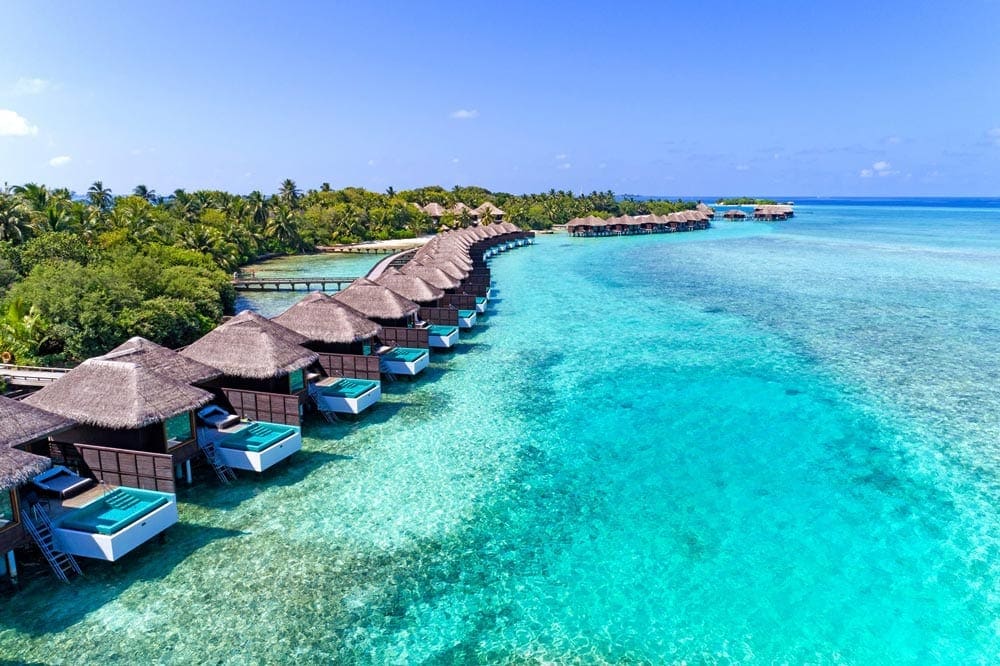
(18, 467)
(21, 423)
(445, 265)
(435, 276)
(735, 213)
(252, 347)
(411, 287)
(488, 207)
(434, 209)
(460, 208)
(321, 318)
(375, 300)
(165, 361)
(117, 395)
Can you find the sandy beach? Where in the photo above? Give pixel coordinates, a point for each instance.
(393, 244)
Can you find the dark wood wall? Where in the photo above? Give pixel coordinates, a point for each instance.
(260, 406)
(405, 337)
(135, 469)
(446, 316)
(350, 365)
(460, 301)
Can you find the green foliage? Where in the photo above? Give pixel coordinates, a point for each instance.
(80, 275)
(55, 245)
(745, 201)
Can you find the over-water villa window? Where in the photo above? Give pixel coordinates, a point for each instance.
(179, 427)
(296, 381)
(6, 508)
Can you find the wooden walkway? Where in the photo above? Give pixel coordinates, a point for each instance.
(29, 375)
(291, 283)
(361, 249)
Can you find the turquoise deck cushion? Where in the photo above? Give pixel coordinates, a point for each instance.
(257, 437)
(113, 512)
(443, 331)
(348, 388)
(406, 354)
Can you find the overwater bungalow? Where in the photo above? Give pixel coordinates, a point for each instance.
(263, 367)
(345, 340)
(771, 213)
(389, 309)
(426, 295)
(707, 210)
(21, 426)
(130, 422)
(224, 441)
(734, 214)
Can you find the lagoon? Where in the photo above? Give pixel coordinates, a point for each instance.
(756, 443)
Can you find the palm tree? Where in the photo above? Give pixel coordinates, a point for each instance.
(100, 197)
(15, 221)
(289, 193)
(146, 193)
(325, 187)
(283, 228)
(258, 209)
(34, 195)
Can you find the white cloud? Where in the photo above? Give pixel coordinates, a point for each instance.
(25, 86)
(454, 160)
(994, 136)
(742, 167)
(465, 114)
(371, 162)
(880, 168)
(561, 157)
(565, 165)
(14, 124)
(60, 160)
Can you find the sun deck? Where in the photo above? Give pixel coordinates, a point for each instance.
(254, 446)
(346, 395)
(466, 318)
(440, 336)
(481, 302)
(107, 522)
(404, 360)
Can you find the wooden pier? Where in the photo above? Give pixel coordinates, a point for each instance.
(362, 249)
(291, 283)
(29, 375)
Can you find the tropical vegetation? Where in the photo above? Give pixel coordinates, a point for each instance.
(79, 273)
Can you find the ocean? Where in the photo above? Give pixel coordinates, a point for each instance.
(754, 444)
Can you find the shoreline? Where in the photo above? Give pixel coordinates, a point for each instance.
(392, 244)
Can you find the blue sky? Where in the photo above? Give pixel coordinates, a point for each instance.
(872, 99)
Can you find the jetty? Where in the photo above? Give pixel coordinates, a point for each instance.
(29, 375)
(241, 283)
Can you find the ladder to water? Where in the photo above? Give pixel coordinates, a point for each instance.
(383, 368)
(39, 526)
(224, 472)
(331, 417)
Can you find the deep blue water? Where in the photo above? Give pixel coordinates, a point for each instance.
(755, 444)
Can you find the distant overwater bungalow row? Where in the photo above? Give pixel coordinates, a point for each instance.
(688, 220)
(89, 462)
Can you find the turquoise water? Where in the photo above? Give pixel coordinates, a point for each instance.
(271, 303)
(753, 444)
